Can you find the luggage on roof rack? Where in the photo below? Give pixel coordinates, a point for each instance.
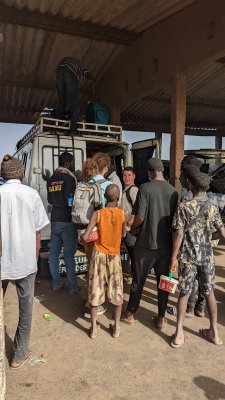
(54, 126)
(98, 113)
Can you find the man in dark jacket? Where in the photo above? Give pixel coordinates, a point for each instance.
(61, 187)
(153, 210)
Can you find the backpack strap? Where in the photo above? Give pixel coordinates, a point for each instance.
(128, 196)
(202, 209)
(99, 182)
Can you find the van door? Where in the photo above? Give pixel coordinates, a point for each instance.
(49, 150)
(141, 152)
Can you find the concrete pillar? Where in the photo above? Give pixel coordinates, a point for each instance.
(178, 118)
(218, 142)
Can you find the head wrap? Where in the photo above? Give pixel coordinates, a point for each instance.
(190, 171)
(197, 178)
(155, 164)
(11, 167)
(202, 181)
(190, 159)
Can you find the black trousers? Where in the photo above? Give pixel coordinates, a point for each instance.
(198, 304)
(67, 86)
(130, 245)
(5, 283)
(144, 260)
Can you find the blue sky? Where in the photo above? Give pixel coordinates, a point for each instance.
(11, 133)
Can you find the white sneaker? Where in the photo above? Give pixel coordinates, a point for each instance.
(100, 310)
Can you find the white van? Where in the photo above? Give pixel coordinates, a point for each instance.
(41, 146)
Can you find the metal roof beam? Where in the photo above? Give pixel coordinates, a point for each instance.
(32, 84)
(191, 101)
(38, 20)
(153, 127)
(17, 118)
(163, 124)
(27, 84)
(23, 110)
(148, 64)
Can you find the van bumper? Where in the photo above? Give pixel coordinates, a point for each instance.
(81, 263)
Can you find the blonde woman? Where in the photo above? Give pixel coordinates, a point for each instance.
(96, 169)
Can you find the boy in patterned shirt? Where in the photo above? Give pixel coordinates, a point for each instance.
(105, 268)
(196, 222)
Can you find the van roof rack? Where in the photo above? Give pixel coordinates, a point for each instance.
(59, 126)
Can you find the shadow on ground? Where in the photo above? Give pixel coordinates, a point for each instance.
(213, 389)
(71, 308)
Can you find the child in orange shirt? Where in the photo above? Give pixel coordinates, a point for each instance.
(105, 272)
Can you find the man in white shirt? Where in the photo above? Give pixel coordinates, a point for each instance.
(22, 217)
(128, 199)
(113, 177)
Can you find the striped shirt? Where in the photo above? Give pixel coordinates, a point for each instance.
(73, 65)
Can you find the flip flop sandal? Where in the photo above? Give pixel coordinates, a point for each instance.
(179, 345)
(156, 325)
(126, 320)
(113, 330)
(205, 334)
(176, 346)
(91, 336)
(35, 359)
(22, 363)
(172, 310)
(199, 312)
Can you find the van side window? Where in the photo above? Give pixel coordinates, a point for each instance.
(47, 161)
(24, 159)
(79, 159)
(28, 164)
(50, 158)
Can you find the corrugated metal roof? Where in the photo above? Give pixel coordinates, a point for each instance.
(136, 15)
(205, 103)
(29, 56)
(207, 81)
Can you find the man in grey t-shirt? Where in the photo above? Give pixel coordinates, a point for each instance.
(154, 209)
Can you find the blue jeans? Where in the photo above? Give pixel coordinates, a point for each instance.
(63, 234)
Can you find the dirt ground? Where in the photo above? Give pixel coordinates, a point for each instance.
(138, 365)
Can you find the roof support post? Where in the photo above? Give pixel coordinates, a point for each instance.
(158, 135)
(218, 142)
(178, 118)
(115, 116)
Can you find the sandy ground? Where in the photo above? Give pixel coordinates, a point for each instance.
(138, 365)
